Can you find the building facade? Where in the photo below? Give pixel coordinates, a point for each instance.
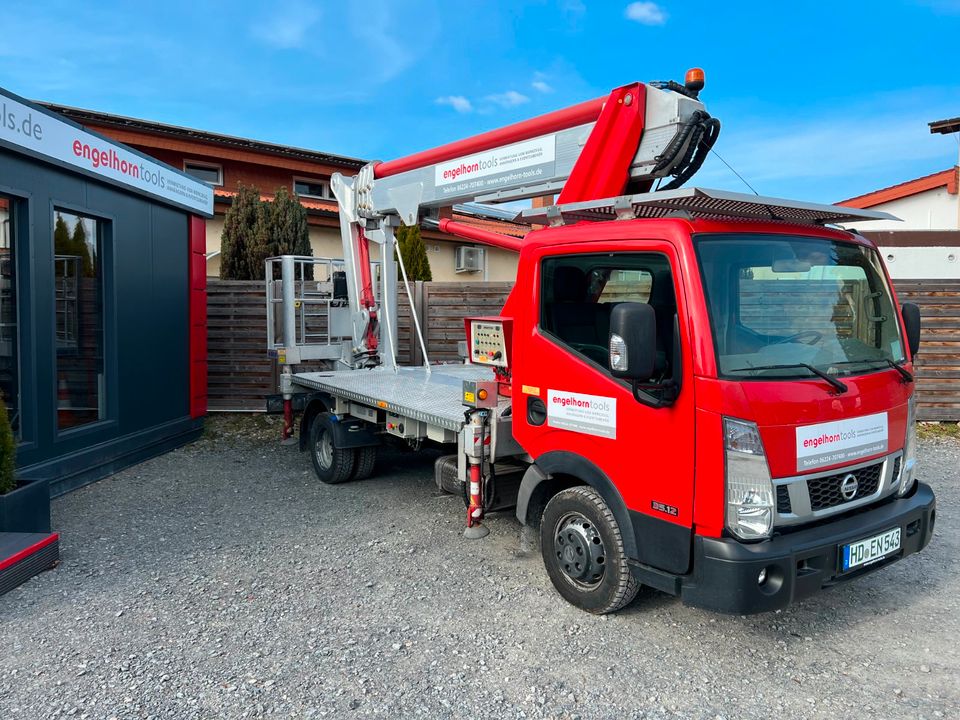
(925, 242)
(102, 299)
(226, 162)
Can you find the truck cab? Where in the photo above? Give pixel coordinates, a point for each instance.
(723, 407)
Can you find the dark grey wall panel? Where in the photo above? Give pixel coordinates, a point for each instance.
(146, 263)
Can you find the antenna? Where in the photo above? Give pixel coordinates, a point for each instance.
(735, 172)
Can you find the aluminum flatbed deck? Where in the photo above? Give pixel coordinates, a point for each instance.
(434, 398)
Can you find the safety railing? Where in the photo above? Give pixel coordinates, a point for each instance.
(308, 312)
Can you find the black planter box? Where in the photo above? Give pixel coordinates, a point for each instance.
(26, 509)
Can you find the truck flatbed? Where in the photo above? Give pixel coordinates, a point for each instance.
(433, 397)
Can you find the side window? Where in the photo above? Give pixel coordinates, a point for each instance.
(78, 299)
(578, 293)
(9, 317)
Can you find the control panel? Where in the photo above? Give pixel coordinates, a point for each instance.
(488, 342)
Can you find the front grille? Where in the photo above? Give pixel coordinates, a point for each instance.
(896, 470)
(825, 491)
(783, 500)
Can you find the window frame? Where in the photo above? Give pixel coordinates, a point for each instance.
(312, 181)
(720, 236)
(206, 165)
(550, 336)
(18, 228)
(105, 238)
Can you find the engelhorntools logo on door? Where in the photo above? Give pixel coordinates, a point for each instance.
(587, 414)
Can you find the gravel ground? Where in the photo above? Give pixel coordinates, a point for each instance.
(223, 580)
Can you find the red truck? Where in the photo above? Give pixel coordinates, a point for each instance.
(704, 392)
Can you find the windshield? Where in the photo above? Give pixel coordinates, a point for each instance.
(777, 303)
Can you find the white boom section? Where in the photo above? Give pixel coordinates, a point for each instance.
(525, 169)
(528, 168)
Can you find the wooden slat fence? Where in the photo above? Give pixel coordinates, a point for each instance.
(241, 374)
(938, 362)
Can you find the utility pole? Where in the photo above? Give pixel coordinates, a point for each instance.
(947, 127)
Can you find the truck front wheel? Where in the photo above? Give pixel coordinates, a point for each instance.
(331, 464)
(583, 552)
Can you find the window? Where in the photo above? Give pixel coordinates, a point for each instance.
(78, 301)
(780, 300)
(304, 187)
(627, 286)
(205, 172)
(579, 292)
(9, 336)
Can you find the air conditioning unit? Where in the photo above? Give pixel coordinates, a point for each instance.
(469, 259)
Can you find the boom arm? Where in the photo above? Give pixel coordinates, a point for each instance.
(597, 149)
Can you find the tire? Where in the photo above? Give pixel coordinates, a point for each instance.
(366, 459)
(583, 552)
(331, 464)
(445, 475)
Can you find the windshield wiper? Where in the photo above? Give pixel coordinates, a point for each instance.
(838, 386)
(904, 373)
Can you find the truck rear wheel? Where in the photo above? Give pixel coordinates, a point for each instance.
(583, 552)
(366, 459)
(331, 464)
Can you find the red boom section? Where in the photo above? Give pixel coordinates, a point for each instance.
(468, 232)
(585, 112)
(603, 168)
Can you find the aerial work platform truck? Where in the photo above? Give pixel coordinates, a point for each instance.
(709, 393)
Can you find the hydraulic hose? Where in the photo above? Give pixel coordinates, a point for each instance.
(680, 139)
(710, 133)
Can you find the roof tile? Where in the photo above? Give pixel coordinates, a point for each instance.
(935, 180)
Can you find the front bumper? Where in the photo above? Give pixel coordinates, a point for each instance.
(801, 563)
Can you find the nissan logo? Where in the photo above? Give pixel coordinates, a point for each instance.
(849, 486)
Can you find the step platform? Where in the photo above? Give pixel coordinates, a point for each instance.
(23, 555)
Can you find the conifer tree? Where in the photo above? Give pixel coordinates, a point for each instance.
(287, 227)
(61, 236)
(79, 247)
(290, 234)
(414, 253)
(242, 237)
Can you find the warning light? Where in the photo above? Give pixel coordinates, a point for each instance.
(694, 80)
(482, 394)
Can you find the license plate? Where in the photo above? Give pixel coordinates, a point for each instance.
(869, 550)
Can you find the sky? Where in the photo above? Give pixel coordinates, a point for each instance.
(818, 101)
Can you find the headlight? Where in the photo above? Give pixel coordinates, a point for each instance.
(749, 489)
(909, 448)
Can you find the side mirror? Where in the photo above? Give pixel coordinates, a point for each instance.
(633, 341)
(911, 321)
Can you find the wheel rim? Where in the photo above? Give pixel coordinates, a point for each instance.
(324, 450)
(579, 550)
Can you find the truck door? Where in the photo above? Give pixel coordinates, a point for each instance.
(572, 407)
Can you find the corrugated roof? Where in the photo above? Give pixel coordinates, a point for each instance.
(84, 117)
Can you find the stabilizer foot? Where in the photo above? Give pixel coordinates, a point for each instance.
(476, 532)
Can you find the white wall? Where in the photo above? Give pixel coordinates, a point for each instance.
(919, 263)
(934, 209)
